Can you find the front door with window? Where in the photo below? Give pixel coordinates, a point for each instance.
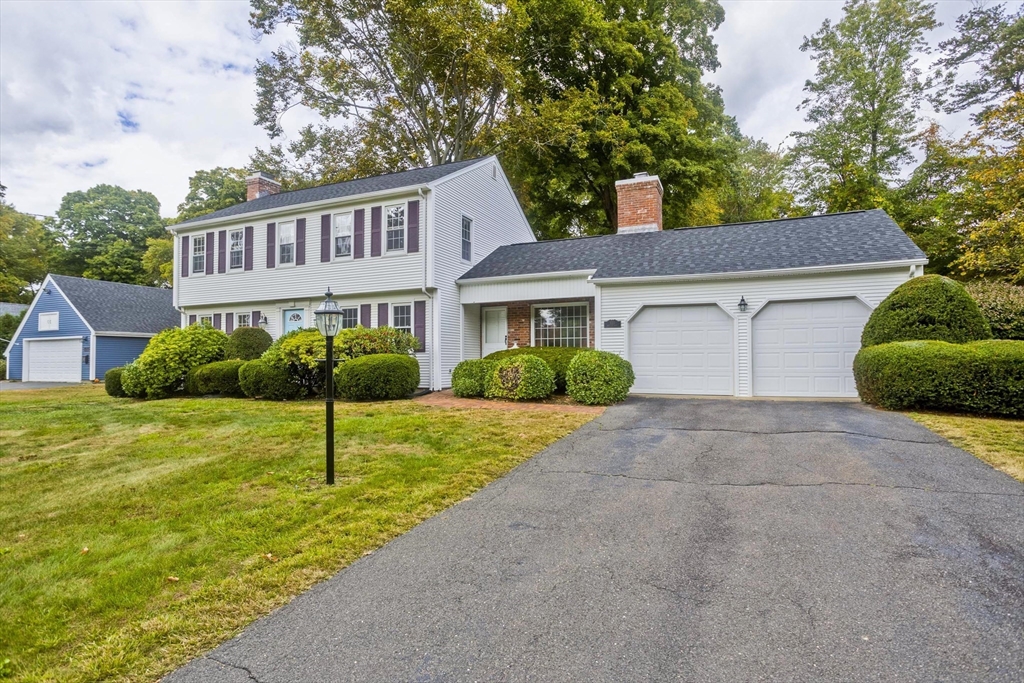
(294, 319)
(495, 336)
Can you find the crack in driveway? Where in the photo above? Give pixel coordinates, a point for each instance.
(248, 672)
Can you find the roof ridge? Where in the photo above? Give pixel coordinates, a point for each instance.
(108, 282)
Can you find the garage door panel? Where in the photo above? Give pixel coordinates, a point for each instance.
(827, 360)
(53, 360)
(682, 350)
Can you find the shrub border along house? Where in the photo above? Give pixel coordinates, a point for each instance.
(599, 378)
(522, 377)
(469, 378)
(378, 377)
(557, 358)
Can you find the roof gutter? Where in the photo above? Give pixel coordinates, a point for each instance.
(589, 273)
(742, 274)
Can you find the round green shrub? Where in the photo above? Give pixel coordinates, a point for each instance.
(301, 354)
(161, 368)
(985, 377)
(112, 382)
(247, 343)
(377, 377)
(520, 378)
(599, 378)
(557, 358)
(1002, 304)
(469, 379)
(366, 341)
(220, 377)
(927, 307)
(258, 379)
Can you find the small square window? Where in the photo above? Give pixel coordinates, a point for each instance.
(49, 322)
(199, 254)
(243, 320)
(236, 239)
(396, 228)
(206, 320)
(342, 235)
(401, 317)
(467, 238)
(349, 318)
(286, 242)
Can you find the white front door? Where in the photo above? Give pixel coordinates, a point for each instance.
(495, 336)
(53, 360)
(294, 319)
(682, 350)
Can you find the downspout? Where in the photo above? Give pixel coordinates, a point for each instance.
(430, 299)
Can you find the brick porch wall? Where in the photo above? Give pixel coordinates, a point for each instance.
(520, 320)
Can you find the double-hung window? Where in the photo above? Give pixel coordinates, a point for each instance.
(401, 317)
(467, 238)
(286, 243)
(342, 235)
(199, 254)
(561, 326)
(349, 317)
(243, 320)
(236, 248)
(395, 216)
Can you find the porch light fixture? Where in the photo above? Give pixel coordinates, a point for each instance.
(328, 321)
(743, 305)
(263, 322)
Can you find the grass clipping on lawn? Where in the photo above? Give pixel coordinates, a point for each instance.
(997, 441)
(135, 536)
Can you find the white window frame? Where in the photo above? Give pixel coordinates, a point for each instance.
(350, 308)
(412, 314)
(335, 236)
(463, 243)
(386, 228)
(565, 304)
(238, 314)
(195, 241)
(240, 251)
(281, 244)
(208, 317)
(48, 316)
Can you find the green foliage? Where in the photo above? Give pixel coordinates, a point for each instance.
(112, 383)
(3, 368)
(557, 358)
(520, 378)
(599, 378)
(469, 379)
(364, 341)
(378, 377)
(8, 326)
(220, 377)
(258, 379)
(160, 369)
(980, 377)
(26, 248)
(756, 187)
(247, 343)
(212, 190)
(119, 261)
(928, 307)
(1002, 304)
(300, 353)
(158, 261)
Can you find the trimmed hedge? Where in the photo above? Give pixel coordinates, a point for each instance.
(366, 341)
(299, 353)
(161, 368)
(377, 377)
(981, 377)
(520, 378)
(469, 379)
(258, 379)
(557, 358)
(1002, 304)
(247, 343)
(112, 383)
(215, 378)
(927, 307)
(599, 378)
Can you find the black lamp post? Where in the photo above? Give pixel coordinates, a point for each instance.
(328, 321)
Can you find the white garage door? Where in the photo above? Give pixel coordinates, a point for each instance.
(682, 350)
(806, 348)
(53, 360)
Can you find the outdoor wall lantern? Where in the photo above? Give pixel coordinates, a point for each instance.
(328, 321)
(743, 305)
(263, 322)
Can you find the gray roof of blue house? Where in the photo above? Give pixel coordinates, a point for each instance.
(350, 188)
(116, 307)
(849, 238)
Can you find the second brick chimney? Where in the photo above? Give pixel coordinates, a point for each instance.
(639, 200)
(260, 185)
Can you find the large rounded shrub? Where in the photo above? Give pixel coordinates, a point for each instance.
(112, 383)
(927, 307)
(981, 377)
(300, 353)
(247, 343)
(599, 378)
(469, 379)
(378, 377)
(220, 377)
(520, 378)
(557, 358)
(1002, 304)
(161, 368)
(258, 379)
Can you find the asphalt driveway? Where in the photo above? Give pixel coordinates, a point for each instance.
(693, 540)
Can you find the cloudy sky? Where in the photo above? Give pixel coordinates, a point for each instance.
(141, 94)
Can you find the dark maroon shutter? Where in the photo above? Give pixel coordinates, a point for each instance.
(419, 323)
(216, 320)
(382, 315)
(414, 227)
(191, 320)
(222, 251)
(254, 319)
(364, 315)
(375, 231)
(325, 237)
(248, 247)
(209, 253)
(359, 221)
(271, 244)
(184, 255)
(229, 322)
(300, 242)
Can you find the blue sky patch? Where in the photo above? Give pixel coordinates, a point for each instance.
(93, 164)
(128, 124)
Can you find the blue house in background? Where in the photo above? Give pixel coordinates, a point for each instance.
(77, 329)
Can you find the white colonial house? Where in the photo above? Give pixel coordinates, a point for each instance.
(772, 308)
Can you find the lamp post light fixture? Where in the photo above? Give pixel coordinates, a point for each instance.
(743, 305)
(328, 321)
(262, 322)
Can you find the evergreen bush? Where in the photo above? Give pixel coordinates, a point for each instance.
(520, 378)
(557, 358)
(258, 379)
(247, 343)
(469, 379)
(599, 378)
(927, 307)
(112, 383)
(377, 377)
(220, 377)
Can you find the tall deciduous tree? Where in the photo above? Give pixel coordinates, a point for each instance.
(211, 190)
(863, 103)
(756, 186)
(25, 251)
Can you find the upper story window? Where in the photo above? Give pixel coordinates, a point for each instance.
(467, 238)
(401, 317)
(49, 322)
(286, 243)
(243, 320)
(199, 254)
(236, 247)
(395, 216)
(561, 326)
(349, 317)
(342, 235)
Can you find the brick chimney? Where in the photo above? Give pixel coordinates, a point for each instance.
(639, 200)
(260, 185)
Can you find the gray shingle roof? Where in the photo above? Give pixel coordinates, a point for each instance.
(115, 307)
(832, 239)
(350, 188)
(11, 309)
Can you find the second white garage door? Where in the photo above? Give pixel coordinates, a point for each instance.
(682, 350)
(53, 360)
(806, 348)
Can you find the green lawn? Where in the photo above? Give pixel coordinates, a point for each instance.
(200, 515)
(999, 442)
